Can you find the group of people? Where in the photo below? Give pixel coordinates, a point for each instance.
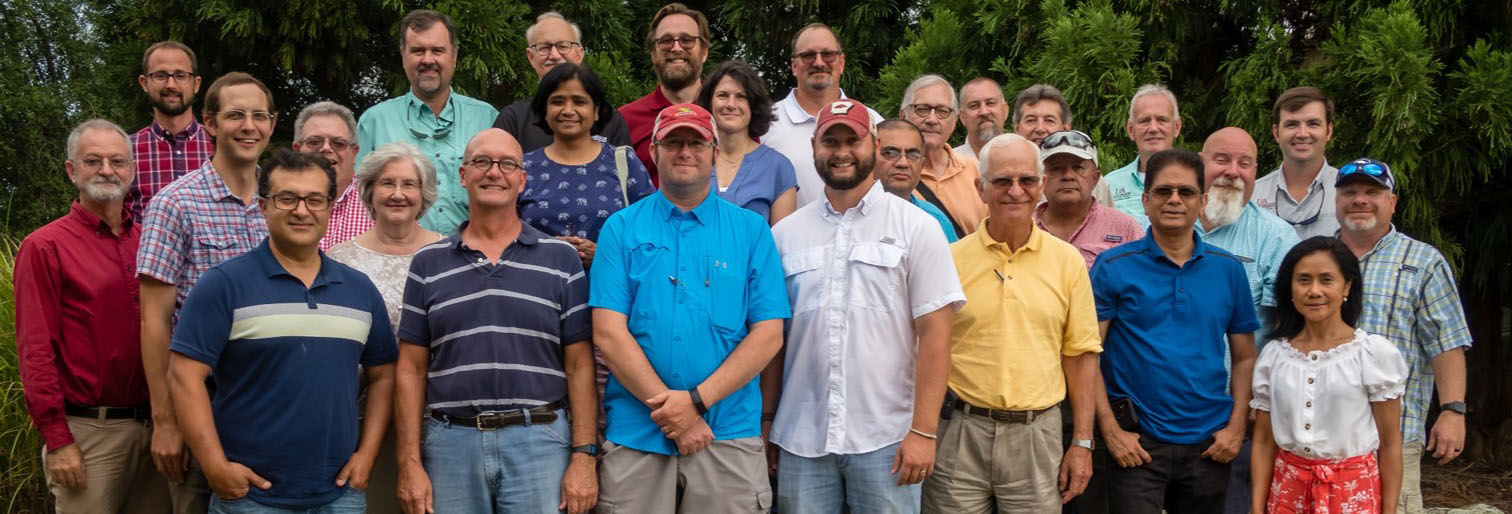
(708, 300)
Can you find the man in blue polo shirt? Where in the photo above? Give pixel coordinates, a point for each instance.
(282, 330)
(1168, 417)
(688, 299)
(495, 332)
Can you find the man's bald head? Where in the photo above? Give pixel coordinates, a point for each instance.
(1230, 136)
(493, 142)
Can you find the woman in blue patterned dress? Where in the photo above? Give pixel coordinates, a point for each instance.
(747, 173)
(573, 184)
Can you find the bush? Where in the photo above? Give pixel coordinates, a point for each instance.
(22, 486)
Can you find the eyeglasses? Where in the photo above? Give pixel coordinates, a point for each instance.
(562, 47)
(1072, 138)
(892, 153)
(828, 56)
(290, 201)
(314, 143)
(940, 111)
(1185, 192)
(483, 164)
(238, 115)
(687, 42)
(94, 163)
(1026, 181)
(677, 145)
(161, 77)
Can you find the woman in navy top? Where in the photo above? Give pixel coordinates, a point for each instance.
(747, 173)
(573, 185)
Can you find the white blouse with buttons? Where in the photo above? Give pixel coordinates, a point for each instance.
(1320, 401)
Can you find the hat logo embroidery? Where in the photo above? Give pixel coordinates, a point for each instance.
(841, 108)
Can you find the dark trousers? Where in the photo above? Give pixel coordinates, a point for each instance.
(1238, 501)
(1177, 480)
(1093, 500)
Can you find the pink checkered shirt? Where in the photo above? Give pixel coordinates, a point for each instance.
(349, 218)
(1103, 228)
(162, 158)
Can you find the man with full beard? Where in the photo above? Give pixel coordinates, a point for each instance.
(1258, 238)
(679, 43)
(983, 112)
(174, 143)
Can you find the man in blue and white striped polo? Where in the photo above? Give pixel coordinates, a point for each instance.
(494, 332)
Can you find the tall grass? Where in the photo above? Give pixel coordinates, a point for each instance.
(22, 486)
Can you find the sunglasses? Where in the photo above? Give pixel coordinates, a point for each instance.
(1368, 168)
(1072, 138)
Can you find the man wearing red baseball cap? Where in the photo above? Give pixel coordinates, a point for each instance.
(688, 305)
(874, 294)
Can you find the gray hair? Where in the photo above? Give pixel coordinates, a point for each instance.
(324, 108)
(1004, 140)
(1155, 89)
(1038, 93)
(929, 80)
(552, 15)
(373, 164)
(72, 146)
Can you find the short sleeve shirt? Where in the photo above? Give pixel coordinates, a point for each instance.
(1314, 215)
(764, 175)
(442, 138)
(956, 189)
(1103, 228)
(576, 200)
(792, 135)
(285, 361)
(194, 224)
(1160, 350)
(1319, 401)
(690, 284)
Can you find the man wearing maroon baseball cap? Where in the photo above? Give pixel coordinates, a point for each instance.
(682, 282)
(859, 405)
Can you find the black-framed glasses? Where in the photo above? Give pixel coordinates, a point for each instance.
(238, 116)
(483, 164)
(1072, 138)
(161, 77)
(291, 201)
(687, 42)
(892, 153)
(828, 56)
(562, 47)
(924, 110)
(314, 143)
(1185, 192)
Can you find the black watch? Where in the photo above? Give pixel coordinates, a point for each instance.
(592, 450)
(1455, 407)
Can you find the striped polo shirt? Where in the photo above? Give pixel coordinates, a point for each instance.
(495, 330)
(285, 358)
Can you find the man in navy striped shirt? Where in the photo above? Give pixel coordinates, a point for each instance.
(495, 330)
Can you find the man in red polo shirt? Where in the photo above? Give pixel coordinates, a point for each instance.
(679, 41)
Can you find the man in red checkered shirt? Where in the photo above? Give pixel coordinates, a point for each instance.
(174, 143)
(330, 130)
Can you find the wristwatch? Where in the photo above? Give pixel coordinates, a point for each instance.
(1084, 443)
(592, 450)
(1455, 407)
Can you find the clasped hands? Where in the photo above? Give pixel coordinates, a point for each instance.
(673, 411)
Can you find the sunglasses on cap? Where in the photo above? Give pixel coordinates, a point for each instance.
(1072, 138)
(1365, 167)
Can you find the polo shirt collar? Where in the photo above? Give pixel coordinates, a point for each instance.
(270, 266)
(1036, 238)
(872, 197)
(795, 112)
(1198, 248)
(703, 213)
(529, 236)
(77, 212)
(1095, 211)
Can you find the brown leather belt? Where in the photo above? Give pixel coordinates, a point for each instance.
(142, 413)
(1006, 416)
(496, 420)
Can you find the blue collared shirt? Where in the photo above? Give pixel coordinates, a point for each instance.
(442, 138)
(690, 283)
(1160, 351)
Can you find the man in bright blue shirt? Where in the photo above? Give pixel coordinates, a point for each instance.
(1154, 124)
(688, 299)
(1168, 417)
(282, 330)
(900, 163)
(432, 116)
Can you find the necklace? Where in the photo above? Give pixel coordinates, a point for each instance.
(734, 159)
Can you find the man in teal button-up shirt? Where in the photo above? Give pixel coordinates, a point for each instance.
(1154, 124)
(430, 115)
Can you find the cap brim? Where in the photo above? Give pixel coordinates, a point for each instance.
(853, 124)
(674, 125)
(1067, 150)
(1357, 177)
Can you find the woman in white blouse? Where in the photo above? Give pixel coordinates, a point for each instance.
(1327, 396)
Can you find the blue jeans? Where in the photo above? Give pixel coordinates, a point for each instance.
(864, 482)
(515, 469)
(350, 502)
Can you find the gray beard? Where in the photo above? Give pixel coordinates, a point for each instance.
(102, 191)
(1224, 205)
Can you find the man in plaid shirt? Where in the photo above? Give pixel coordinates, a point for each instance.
(1410, 298)
(174, 143)
(329, 130)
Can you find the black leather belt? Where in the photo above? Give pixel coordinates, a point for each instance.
(1006, 416)
(495, 420)
(142, 413)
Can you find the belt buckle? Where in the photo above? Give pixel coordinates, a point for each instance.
(487, 422)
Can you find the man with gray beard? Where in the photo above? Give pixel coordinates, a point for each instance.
(1258, 238)
(983, 112)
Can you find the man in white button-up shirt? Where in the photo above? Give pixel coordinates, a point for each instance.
(874, 293)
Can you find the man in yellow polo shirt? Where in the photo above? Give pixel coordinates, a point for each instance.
(1027, 334)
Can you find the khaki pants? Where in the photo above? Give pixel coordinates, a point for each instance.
(981, 463)
(119, 476)
(727, 477)
(1411, 500)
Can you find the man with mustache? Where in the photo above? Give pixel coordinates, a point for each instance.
(552, 40)
(983, 112)
(431, 116)
(80, 355)
(328, 129)
(1411, 299)
(900, 161)
(868, 349)
(817, 62)
(679, 41)
(949, 178)
(174, 143)
(1154, 124)
(1301, 190)
(1070, 212)
(1258, 238)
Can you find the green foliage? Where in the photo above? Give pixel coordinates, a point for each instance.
(22, 488)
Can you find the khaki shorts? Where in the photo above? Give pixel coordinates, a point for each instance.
(728, 477)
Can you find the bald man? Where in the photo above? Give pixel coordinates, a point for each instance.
(552, 40)
(500, 413)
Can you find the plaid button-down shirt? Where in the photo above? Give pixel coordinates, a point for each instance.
(162, 157)
(194, 224)
(349, 218)
(1411, 299)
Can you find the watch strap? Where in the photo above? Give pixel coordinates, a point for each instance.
(1454, 407)
(1084, 443)
(698, 402)
(591, 449)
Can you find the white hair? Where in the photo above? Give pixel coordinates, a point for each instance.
(72, 146)
(552, 15)
(372, 166)
(929, 80)
(324, 108)
(1004, 140)
(1155, 89)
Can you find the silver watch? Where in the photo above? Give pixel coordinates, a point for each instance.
(1084, 443)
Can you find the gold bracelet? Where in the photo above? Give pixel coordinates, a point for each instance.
(919, 433)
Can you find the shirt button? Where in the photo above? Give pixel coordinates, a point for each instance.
(1306, 449)
(1309, 404)
(1309, 380)
(1307, 426)
(1315, 357)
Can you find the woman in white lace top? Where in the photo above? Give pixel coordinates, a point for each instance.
(1327, 395)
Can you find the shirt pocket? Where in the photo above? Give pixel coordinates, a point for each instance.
(876, 275)
(643, 265)
(211, 249)
(727, 294)
(802, 271)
